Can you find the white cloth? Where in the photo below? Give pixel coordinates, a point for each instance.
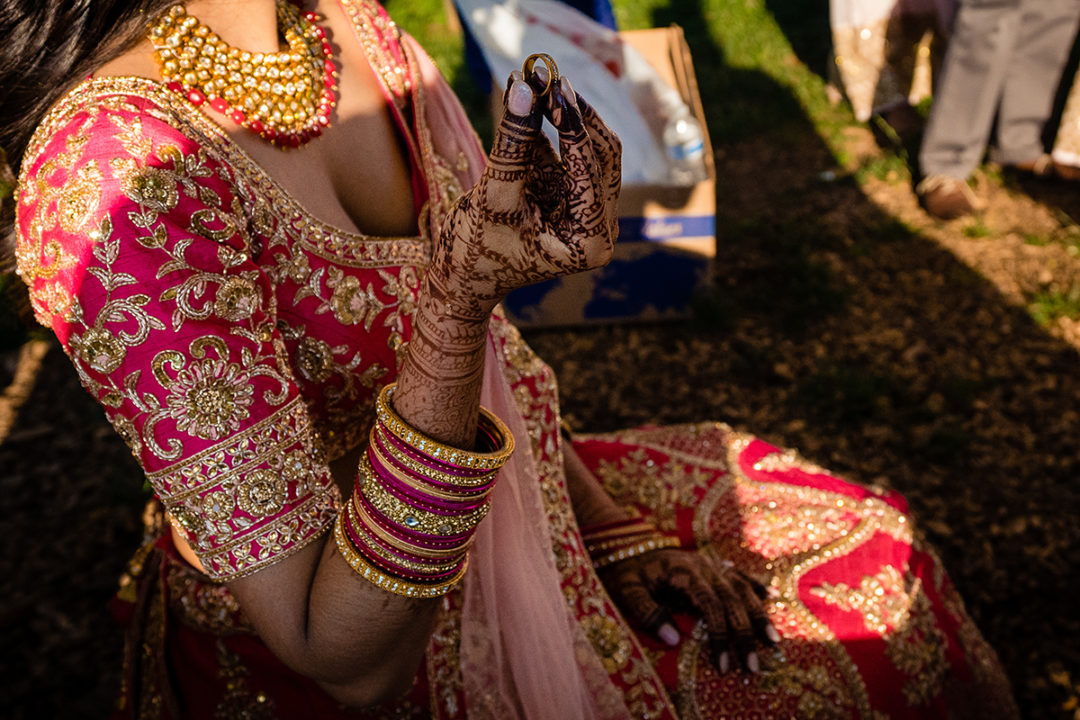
(613, 77)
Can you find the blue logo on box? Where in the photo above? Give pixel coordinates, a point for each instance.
(670, 227)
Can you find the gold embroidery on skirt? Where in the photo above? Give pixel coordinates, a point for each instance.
(896, 608)
(239, 702)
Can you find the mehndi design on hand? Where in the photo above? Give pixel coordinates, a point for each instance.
(533, 215)
(729, 601)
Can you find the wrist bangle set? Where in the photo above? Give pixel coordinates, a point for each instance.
(417, 503)
(610, 542)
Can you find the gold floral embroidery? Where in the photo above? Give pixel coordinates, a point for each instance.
(217, 506)
(351, 304)
(609, 640)
(247, 473)
(297, 467)
(663, 487)
(262, 493)
(315, 359)
(239, 702)
(797, 680)
(207, 399)
(101, 350)
(237, 299)
(881, 599)
(917, 649)
(152, 188)
(897, 609)
(78, 199)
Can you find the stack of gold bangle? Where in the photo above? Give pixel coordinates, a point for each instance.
(417, 503)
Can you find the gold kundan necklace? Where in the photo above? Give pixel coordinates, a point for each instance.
(286, 97)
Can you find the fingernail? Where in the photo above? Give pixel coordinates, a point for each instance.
(770, 632)
(520, 99)
(568, 91)
(668, 634)
(516, 75)
(752, 662)
(541, 72)
(725, 662)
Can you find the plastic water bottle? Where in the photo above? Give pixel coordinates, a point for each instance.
(684, 142)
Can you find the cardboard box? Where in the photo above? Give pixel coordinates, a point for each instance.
(667, 235)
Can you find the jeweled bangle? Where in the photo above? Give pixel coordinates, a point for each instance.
(368, 543)
(402, 455)
(386, 581)
(418, 484)
(495, 437)
(410, 516)
(414, 547)
(645, 545)
(605, 546)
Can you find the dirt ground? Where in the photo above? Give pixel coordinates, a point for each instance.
(896, 349)
(843, 321)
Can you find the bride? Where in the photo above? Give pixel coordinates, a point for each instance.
(267, 238)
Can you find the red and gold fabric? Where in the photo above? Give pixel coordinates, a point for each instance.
(237, 343)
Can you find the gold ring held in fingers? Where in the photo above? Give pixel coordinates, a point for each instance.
(553, 70)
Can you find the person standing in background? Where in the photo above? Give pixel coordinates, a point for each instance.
(1005, 60)
(885, 52)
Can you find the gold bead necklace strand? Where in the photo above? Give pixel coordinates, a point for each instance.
(285, 97)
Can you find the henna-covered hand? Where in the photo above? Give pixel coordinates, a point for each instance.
(533, 215)
(648, 587)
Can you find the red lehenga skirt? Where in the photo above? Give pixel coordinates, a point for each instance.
(871, 625)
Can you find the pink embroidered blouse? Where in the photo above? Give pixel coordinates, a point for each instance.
(234, 340)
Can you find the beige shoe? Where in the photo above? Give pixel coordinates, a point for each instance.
(947, 197)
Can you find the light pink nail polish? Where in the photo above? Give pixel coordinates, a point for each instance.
(753, 663)
(541, 72)
(725, 662)
(516, 75)
(520, 99)
(770, 632)
(668, 634)
(568, 91)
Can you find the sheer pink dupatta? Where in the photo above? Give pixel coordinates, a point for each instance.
(523, 653)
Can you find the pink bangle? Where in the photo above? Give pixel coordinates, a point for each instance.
(386, 581)
(497, 442)
(417, 503)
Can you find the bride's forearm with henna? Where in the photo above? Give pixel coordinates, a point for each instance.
(590, 501)
(439, 386)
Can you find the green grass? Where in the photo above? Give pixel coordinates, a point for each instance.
(977, 229)
(887, 167)
(1046, 307)
(751, 78)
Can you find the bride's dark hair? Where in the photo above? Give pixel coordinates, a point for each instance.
(46, 45)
